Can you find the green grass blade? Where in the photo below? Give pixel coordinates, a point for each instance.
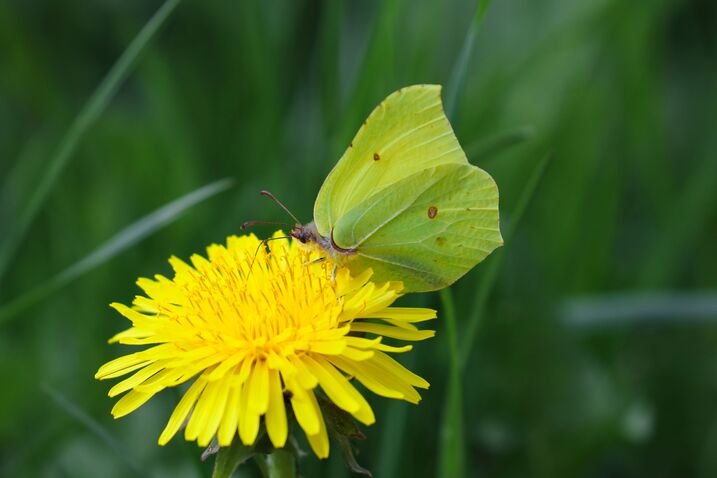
(367, 87)
(393, 435)
(456, 83)
(94, 107)
(494, 145)
(451, 458)
(396, 412)
(76, 412)
(452, 452)
(490, 275)
(481, 10)
(330, 52)
(666, 252)
(638, 308)
(121, 241)
(458, 75)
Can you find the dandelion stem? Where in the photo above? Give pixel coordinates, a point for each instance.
(278, 464)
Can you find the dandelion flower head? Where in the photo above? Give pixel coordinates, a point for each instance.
(257, 334)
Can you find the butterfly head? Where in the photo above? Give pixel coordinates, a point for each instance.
(306, 233)
(300, 234)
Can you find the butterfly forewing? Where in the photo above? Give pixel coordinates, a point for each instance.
(407, 133)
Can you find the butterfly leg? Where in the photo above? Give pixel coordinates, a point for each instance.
(333, 273)
(315, 261)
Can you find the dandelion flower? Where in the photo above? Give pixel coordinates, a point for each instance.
(258, 332)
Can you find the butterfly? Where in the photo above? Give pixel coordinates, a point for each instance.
(403, 199)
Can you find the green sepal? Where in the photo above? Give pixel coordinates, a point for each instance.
(229, 458)
(343, 427)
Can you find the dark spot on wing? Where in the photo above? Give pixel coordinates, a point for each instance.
(376, 157)
(440, 240)
(351, 144)
(432, 212)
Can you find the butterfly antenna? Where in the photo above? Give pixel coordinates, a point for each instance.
(256, 253)
(281, 205)
(254, 223)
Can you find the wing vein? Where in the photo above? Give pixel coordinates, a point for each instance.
(391, 218)
(409, 132)
(405, 266)
(428, 141)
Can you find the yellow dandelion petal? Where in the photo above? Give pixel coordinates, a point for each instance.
(248, 416)
(392, 331)
(130, 334)
(224, 367)
(363, 343)
(129, 403)
(308, 416)
(121, 366)
(403, 314)
(258, 388)
(384, 362)
(137, 379)
(181, 411)
(329, 347)
(244, 371)
(347, 284)
(215, 413)
(258, 329)
(320, 440)
(400, 324)
(303, 376)
(280, 363)
(160, 381)
(202, 411)
(376, 380)
(229, 424)
(357, 354)
(334, 387)
(276, 423)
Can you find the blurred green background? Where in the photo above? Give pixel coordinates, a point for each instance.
(595, 351)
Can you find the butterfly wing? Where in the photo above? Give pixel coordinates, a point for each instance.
(407, 133)
(426, 230)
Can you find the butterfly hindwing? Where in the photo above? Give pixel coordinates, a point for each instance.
(426, 230)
